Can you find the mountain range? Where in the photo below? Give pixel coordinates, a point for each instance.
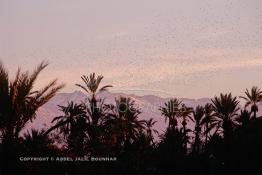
(148, 104)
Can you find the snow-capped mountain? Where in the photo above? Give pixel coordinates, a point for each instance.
(149, 105)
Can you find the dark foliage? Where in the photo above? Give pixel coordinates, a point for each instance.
(223, 139)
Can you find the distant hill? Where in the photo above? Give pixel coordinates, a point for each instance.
(149, 105)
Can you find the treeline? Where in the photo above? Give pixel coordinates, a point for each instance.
(225, 138)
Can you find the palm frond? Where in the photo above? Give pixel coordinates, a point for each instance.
(83, 87)
(105, 88)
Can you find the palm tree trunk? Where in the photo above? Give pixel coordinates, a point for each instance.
(95, 112)
(184, 135)
(206, 133)
(227, 127)
(197, 140)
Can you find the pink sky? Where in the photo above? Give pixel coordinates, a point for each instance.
(188, 49)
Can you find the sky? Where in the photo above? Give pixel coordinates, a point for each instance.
(186, 48)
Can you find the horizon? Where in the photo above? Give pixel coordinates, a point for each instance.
(187, 49)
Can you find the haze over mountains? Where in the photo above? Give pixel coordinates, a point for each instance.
(149, 105)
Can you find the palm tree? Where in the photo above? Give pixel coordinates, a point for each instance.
(198, 117)
(129, 112)
(244, 118)
(171, 111)
(73, 125)
(209, 120)
(226, 108)
(124, 122)
(19, 101)
(252, 98)
(149, 130)
(96, 111)
(185, 113)
(91, 85)
(71, 113)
